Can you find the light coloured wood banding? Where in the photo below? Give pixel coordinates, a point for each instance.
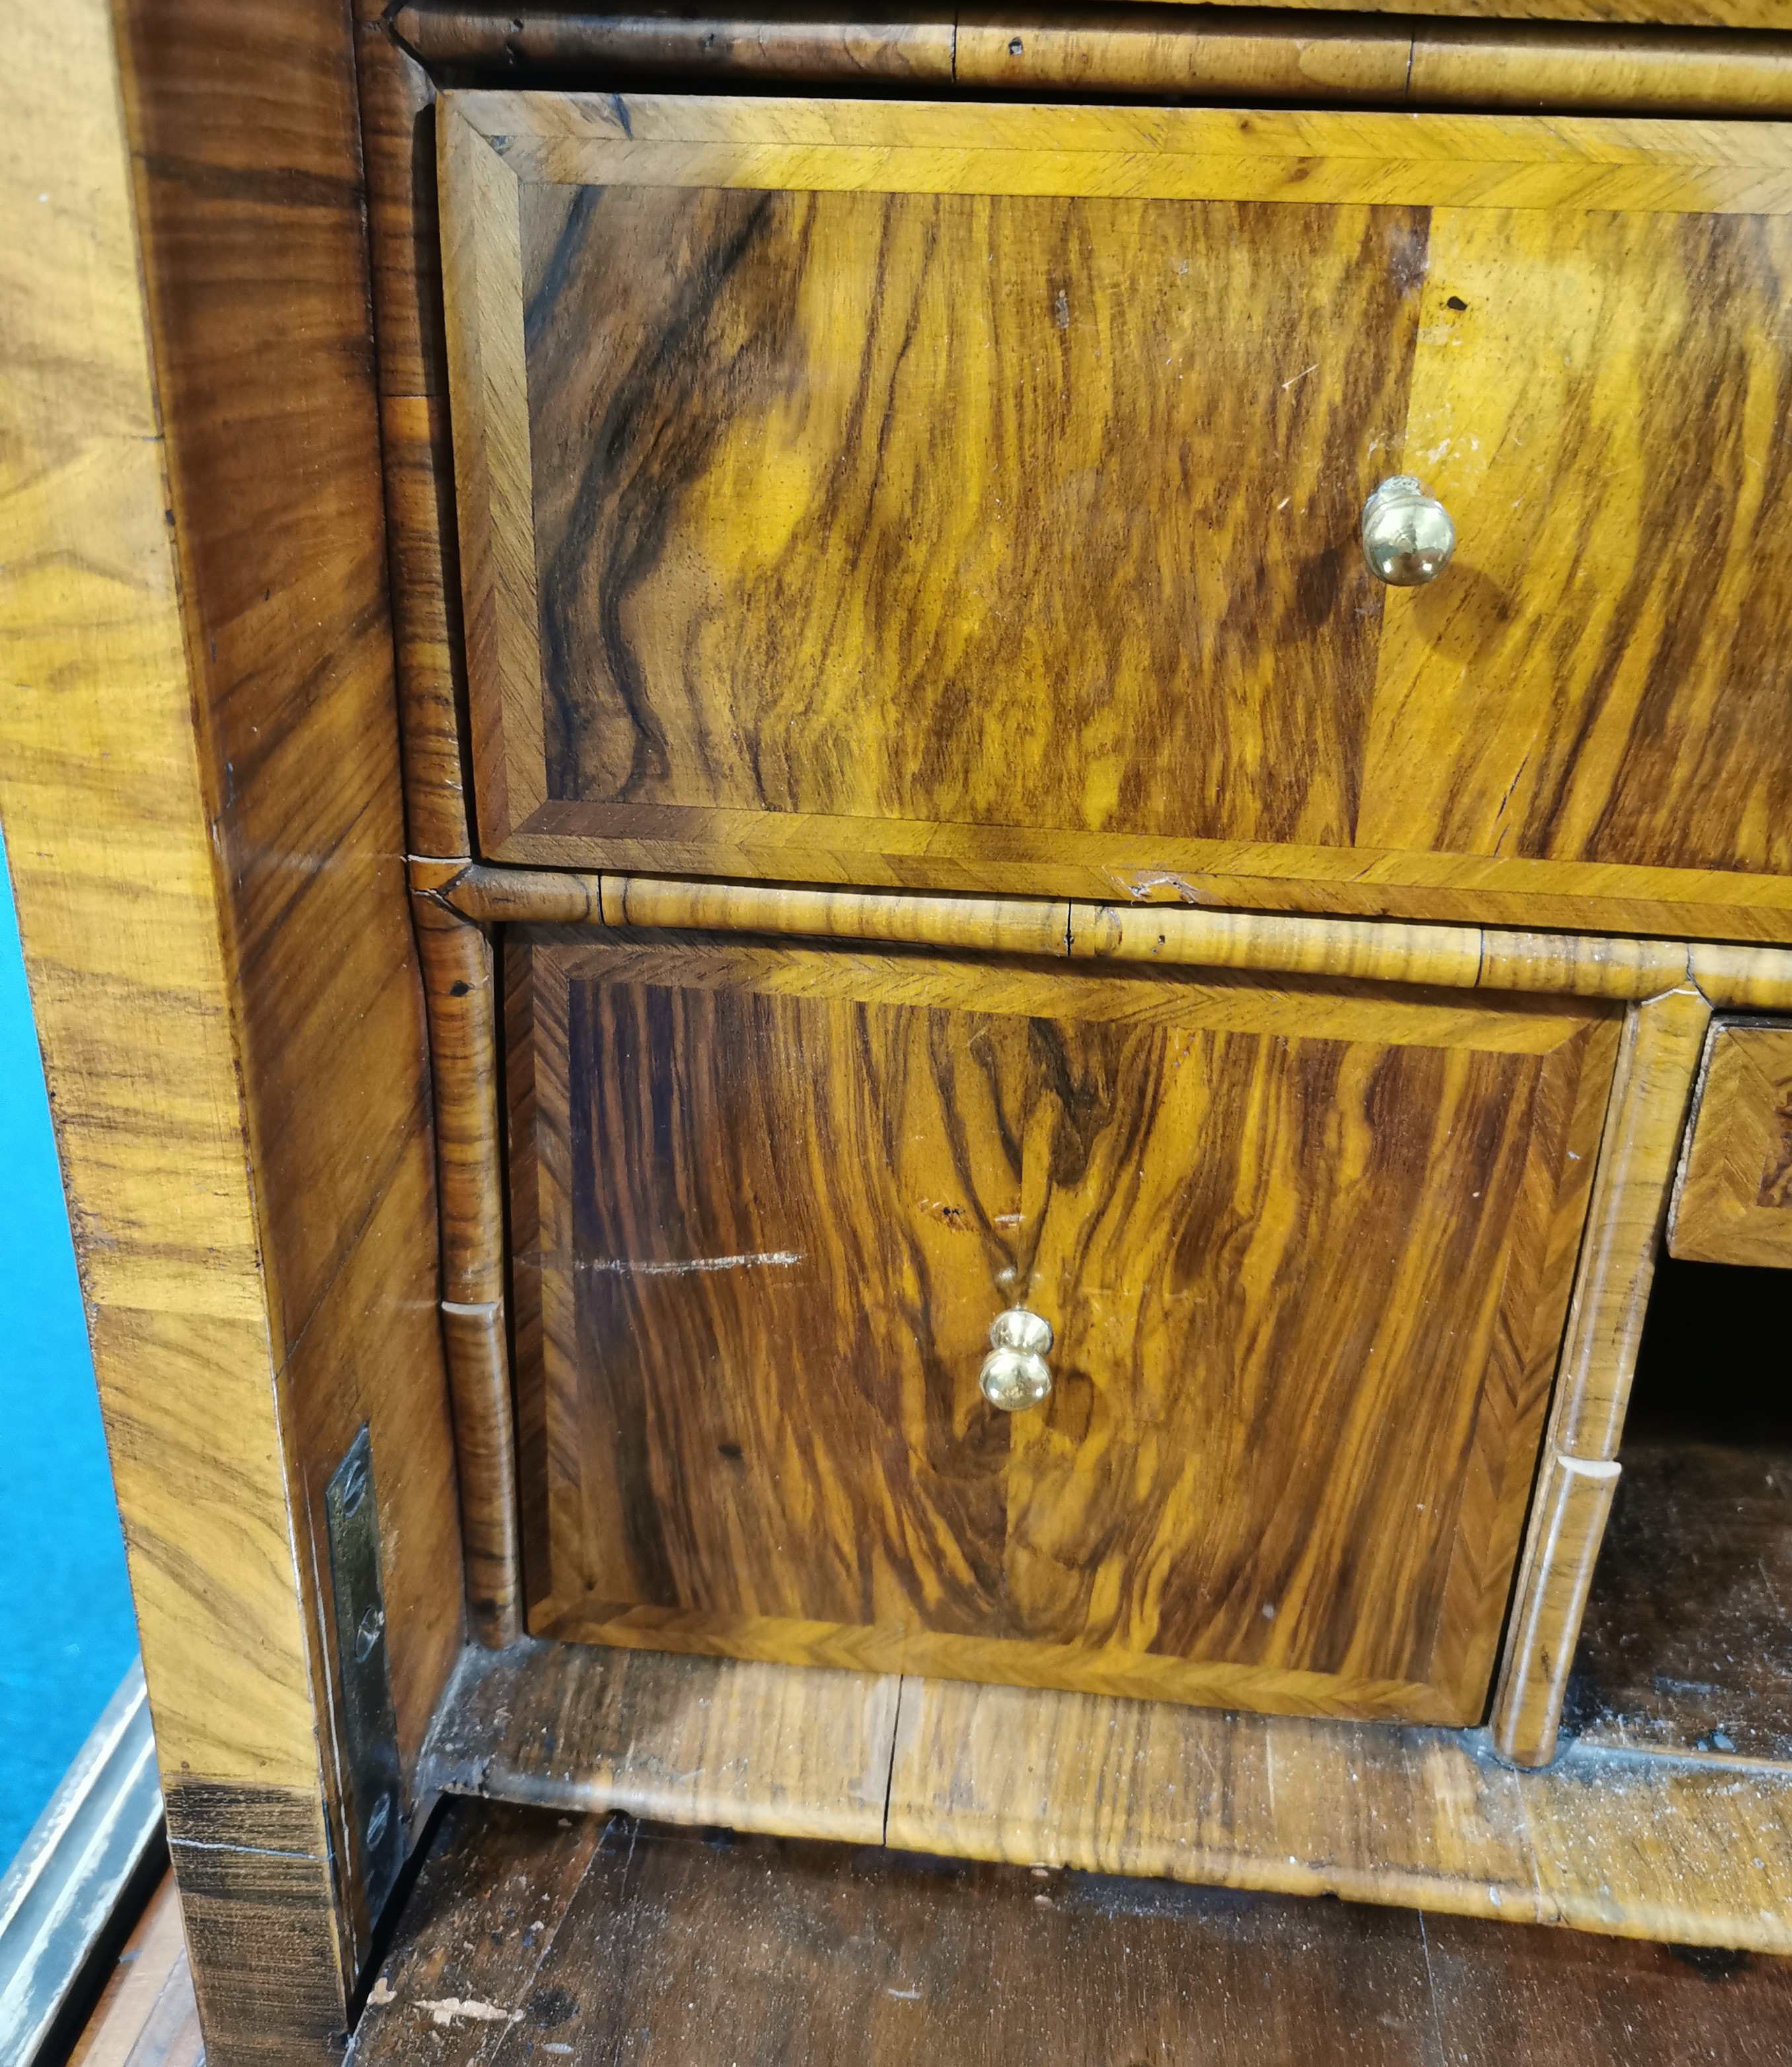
(1466, 957)
(1002, 925)
(1573, 1499)
(1758, 978)
(1460, 957)
(483, 310)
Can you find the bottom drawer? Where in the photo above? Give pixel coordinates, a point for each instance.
(1304, 1251)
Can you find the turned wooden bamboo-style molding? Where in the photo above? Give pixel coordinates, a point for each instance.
(1639, 1151)
(1457, 957)
(1243, 53)
(458, 981)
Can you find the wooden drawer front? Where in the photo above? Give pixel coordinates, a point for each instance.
(1733, 1201)
(826, 471)
(1305, 1254)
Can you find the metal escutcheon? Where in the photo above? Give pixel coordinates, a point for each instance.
(1407, 535)
(1015, 1375)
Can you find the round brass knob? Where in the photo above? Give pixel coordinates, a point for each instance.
(1015, 1375)
(1407, 535)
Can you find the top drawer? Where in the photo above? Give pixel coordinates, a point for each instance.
(970, 495)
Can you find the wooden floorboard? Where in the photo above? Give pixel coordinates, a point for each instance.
(146, 2016)
(534, 1938)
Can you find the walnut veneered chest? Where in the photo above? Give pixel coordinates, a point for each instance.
(906, 896)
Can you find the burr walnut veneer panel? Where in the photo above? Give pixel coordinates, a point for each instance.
(1305, 1251)
(870, 492)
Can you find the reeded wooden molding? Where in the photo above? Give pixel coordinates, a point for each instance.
(1568, 1516)
(459, 979)
(1259, 54)
(1639, 1152)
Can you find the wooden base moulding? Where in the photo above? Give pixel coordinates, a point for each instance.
(1694, 1851)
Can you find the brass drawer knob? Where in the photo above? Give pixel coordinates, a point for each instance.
(1015, 1375)
(1407, 535)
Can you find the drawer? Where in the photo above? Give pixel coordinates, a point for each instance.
(1304, 1255)
(1732, 1203)
(972, 495)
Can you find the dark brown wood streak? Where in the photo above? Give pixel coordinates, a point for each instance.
(805, 465)
(767, 1202)
(1606, 673)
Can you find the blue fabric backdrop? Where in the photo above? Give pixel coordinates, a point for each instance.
(66, 1635)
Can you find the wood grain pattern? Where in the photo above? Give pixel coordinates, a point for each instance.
(840, 48)
(146, 2016)
(766, 463)
(745, 1747)
(1631, 1845)
(1733, 1198)
(398, 128)
(1602, 674)
(253, 1864)
(906, 352)
(1340, 157)
(484, 316)
(664, 1946)
(1276, 56)
(1635, 1845)
(1567, 1521)
(102, 794)
(1121, 49)
(1690, 14)
(1682, 1645)
(515, 1871)
(899, 1146)
(1476, 957)
(911, 855)
(459, 974)
(1009, 925)
(1757, 977)
(255, 260)
(1638, 1151)
(1497, 65)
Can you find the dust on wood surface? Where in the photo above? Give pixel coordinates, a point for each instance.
(534, 1938)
